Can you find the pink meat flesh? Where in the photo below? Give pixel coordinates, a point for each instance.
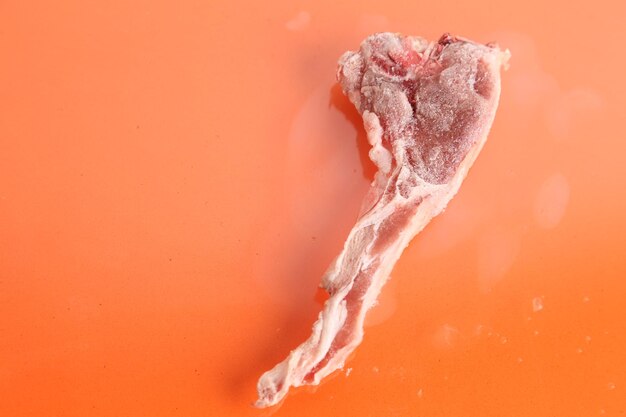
(427, 108)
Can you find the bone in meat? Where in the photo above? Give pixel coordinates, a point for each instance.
(427, 108)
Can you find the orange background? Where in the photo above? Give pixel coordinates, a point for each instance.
(176, 176)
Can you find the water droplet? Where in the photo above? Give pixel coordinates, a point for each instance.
(299, 21)
(446, 336)
(551, 201)
(566, 111)
(497, 251)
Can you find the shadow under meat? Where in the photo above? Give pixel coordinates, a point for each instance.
(339, 101)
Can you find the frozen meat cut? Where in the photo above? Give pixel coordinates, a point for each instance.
(427, 108)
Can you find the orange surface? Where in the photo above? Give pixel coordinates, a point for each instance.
(175, 177)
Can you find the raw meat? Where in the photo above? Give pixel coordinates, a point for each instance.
(427, 108)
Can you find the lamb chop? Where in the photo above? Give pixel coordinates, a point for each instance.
(427, 108)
